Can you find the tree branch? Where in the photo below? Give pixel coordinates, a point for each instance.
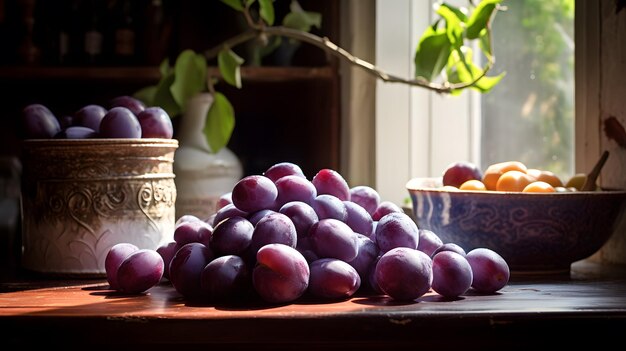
(325, 44)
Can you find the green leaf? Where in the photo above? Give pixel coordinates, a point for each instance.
(235, 4)
(303, 20)
(453, 26)
(455, 59)
(273, 44)
(432, 53)
(146, 95)
(163, 96)
(454, 30)
(480, 18)
(164, 67)
(435, 24)
(190, 76)
(267, 11)
(219, 123)
(485, 84)
(464, 72)
(460, 14)
(485, 44)
(230, 67)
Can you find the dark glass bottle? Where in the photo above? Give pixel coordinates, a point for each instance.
(71, 34)
(157, 34)
(3, 29)
(93, 34)
(64, 32)
(124, 34)
(29, 52)
(53, 31)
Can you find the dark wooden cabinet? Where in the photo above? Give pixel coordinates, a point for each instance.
(284, 112)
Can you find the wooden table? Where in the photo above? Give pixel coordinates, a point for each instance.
(589, 305)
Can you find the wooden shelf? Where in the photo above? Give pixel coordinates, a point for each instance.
(252, 74)
(284, 113)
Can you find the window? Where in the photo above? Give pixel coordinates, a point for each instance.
(528, 117)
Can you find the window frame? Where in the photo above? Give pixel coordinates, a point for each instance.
(411, 143)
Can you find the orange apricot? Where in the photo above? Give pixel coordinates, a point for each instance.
(539, 187)
(550, 178)
(494, 171)
(472, 184)
(513, 181)
(449, 188)
(534, 172)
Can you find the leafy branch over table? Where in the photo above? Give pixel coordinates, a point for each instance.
(444, 58)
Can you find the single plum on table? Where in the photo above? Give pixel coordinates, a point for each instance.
(186, 218)
(302, 215)
(396, 230)
(358, 218)
(155, 123)
(114, 258)
(66, 121)
(294, 188)
(449, 247)
(328, 181)
(186, 269)
(227, 211)
(223, 200)
(367, 197)
(452, 274)
(76, 132)
(428, 242)
(232, 236)
(255, 217)
(333, 279)
(275, 228)
(329, 206)
(38, 122)
(167, 252)
(254, 193)
(225, 278)
(193, 232)
(281, 274)
(331, 238)
(133, 104)
(140, 271)
(385, 208)
(404, 273)
(120, 122)
(366, 257)
(282, 169)
(490, 271)
(89, 116)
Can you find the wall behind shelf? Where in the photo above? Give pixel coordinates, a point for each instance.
(275, 125)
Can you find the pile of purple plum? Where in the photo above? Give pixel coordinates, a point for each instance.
(126, 117)
(280, 236)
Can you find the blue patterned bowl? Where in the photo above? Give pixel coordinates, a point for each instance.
(535, 233)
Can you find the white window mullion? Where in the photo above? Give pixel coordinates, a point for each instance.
(450, 128)
(392, 100)
(420, 99)
(418, 133)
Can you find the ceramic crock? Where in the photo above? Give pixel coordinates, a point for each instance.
(81, 197)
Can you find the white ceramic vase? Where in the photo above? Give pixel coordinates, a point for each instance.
(201, 175)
